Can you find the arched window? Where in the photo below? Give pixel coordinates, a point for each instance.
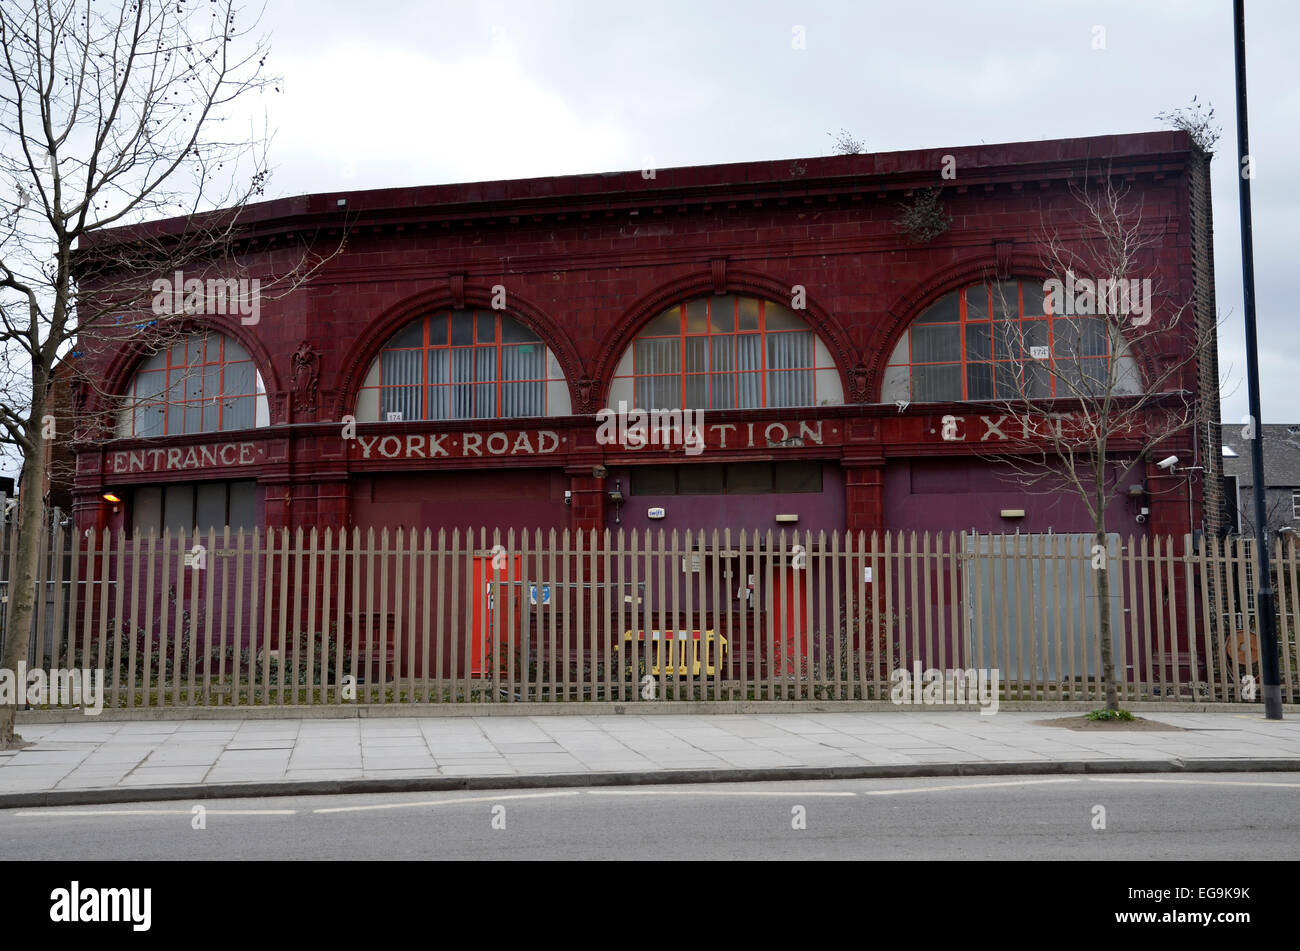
(202, 383)
(726, 352)
(998, 341)
(463, 364)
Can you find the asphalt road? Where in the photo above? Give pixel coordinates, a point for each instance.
(1207, 817)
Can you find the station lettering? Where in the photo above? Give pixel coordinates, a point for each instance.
(180, 458)
(458, 445)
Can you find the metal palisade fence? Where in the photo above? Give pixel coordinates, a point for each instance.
(294, 617)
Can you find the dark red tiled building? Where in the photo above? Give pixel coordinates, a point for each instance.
(446, 366)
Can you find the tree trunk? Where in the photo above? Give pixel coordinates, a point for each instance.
(27, 534)
(1101, 575)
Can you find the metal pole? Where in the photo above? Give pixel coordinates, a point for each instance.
(1265, 609)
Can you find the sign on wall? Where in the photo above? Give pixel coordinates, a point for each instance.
(181, 458)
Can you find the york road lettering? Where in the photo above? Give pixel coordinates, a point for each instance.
(458, 445)
(179, 458)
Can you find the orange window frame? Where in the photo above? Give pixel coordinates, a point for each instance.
(735, 333)
(963, 321)
(180, 370)
(428, 346)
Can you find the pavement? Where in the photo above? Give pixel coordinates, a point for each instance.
(130, 761)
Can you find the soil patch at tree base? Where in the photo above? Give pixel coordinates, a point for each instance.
(1136, 725)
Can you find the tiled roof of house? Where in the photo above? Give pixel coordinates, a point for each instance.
(1281, 454)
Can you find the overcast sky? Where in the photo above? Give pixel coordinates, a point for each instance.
(391, 92)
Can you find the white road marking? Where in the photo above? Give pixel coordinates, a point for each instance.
(162, 812)
(710, 792)
(923, 789)
(1195, 782)
(444, 802)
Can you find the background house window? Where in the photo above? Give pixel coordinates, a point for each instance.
(201, 505)
(1295, 504)
(732, 478)
(726, 352)
(463, 364)
(202, 383)
(998, 342)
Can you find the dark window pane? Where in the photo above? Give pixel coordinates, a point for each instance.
(977, 302)
(512, 331)
(654, 480)
(486, 327)
(700, 480)
(1038, 381)
(238, 380)
(748, 477)
(979, 381)
(243, 505)
(437, 330)
(936, 344)
(666, 324)
(779, 317)
(1032, 295)
(942, 311)
(178, 507)
(722, 314)
(1007, 343)
(697, 316)
(798, 477)
(146, 509)
(1008, 381)
(1035, 334)
(935, 383)
(748, 313)
(210, 510)
(977, 342)
(1079, 336)
(1006, 299)
(462, 328)
(412, 335)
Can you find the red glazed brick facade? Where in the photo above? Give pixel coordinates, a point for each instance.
(585, 261)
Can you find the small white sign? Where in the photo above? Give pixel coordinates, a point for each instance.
(866, 574)
(393, 416)
(1039, 353)
(655, 512)
(691, 563)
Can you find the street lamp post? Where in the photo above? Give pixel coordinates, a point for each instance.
(1265, 610)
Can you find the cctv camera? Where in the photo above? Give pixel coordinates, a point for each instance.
(1167, 463)
(1141, 519)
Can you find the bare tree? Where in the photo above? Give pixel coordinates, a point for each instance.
(111, 115)
(845, 143)
(1088, 392)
